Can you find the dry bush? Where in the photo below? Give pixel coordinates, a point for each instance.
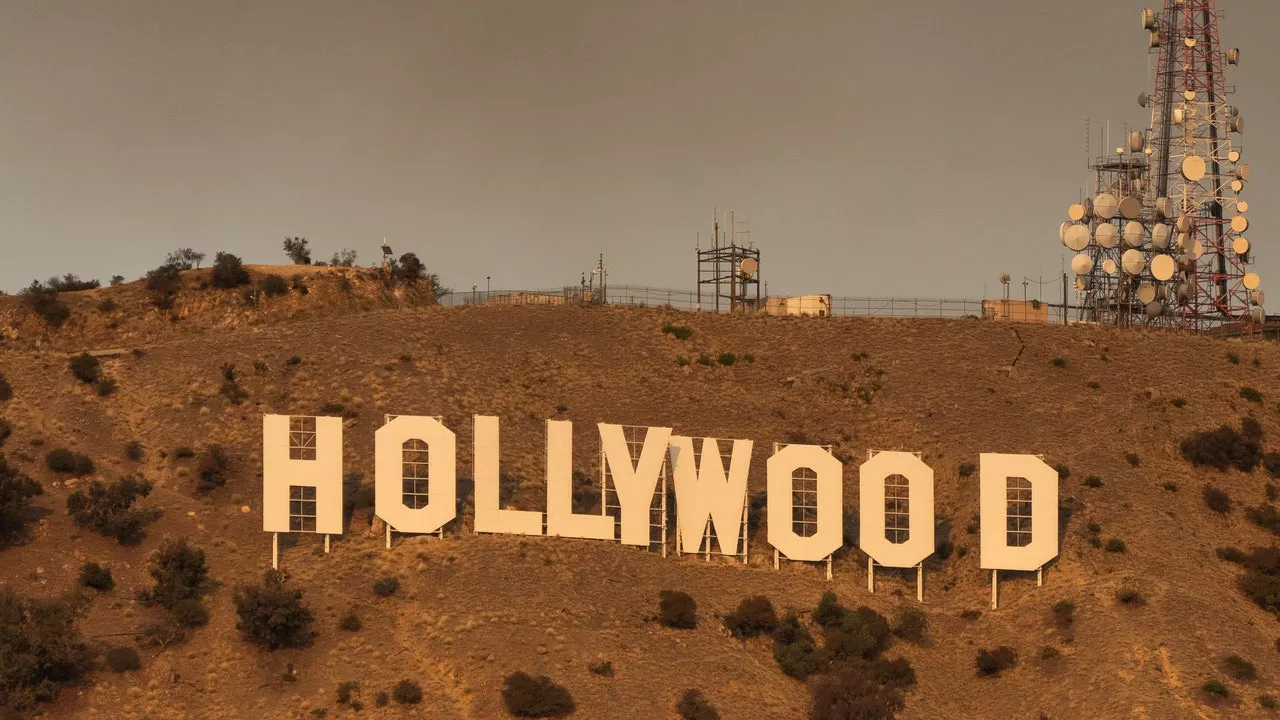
(109, 510)
(677, 610)
(995, 661)
(694, 705)
(536, 697)
(854, 693)
(272, 614)
(122, 659)
(16, 491)
(753, 617)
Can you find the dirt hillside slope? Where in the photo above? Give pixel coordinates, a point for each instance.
(472, 609)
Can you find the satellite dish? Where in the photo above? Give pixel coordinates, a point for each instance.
(1082, 284)
(1188, 95)
(1184, 224)
(1178, 116)
(1109, 266)
(1076, 237)
(1107, 235)
(1193, 168)
(1198, 250)
(1136, 141)
(1233, 56)
(1154, 39)
(1160, 236)
(1189, 42)
(1146, 293)
(1062, 232)
(1259, 316)
(1164, 207)
(1162, 267)
(1082, 264)
(1149, 19)
(1242, 206)
(1133, 233)
(1106, 205)
(1251, 280)
(1257, 297)
(1236, 124)
(1133, 262)
(748, 267)
(1076, 211)
(1131, 208)
(1239, 223)
(1232, 111)
(1183, 292)
(1185, 243)
(1244, 173)
(1240, 245)
(1237, 186)
(1234, 156)
(1143, 99)
(1154, 309)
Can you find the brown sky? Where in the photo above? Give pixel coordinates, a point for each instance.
(905, 148)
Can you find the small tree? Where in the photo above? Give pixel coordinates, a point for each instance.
(213, 469)
(677, 609)
(273, 285)
(992, 662)
(16, 491)
(694, 705)
(854, 692)
(72, 283)
(184, 258)
(123, 659)
(1217, 499)
(795, 650)
(163, 284)
(272, 614)
(41, 648)
(297, 250)
(911, 624)
(86, 368)
(407, 692)
(93, 575)
(344, 258)
(179, 571)
(754, 616)
(108, 509)
(6, 390)
(536, 697)
(43, 301)
(228, 271)
(386, 587)
(62, 460)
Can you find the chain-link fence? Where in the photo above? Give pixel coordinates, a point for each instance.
(639, 296)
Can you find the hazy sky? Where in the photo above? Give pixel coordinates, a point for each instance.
(906, 148)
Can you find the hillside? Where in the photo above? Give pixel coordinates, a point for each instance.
(472, 609)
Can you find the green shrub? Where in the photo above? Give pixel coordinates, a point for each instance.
(134, 451)
(967, 469)
(1265, 516)
(753, 617)
(1132, 459)
(122, 659)
(861, 633)
(43, 301)
(381, 699)
(1059, 362)
(273, 285)
(63, 460)
(109, 510)
(1170, 485)
(1049, 653)
(1251, 394)
(347, 691)
(694, 705)
(6, 390)
(1129, 596)
(213, 469)
(1239, 668)
(911, 624)
(294, 360)
(16, 491)
(86, 368)
(1115, 545)
(1093, 481)
(677, 610)
(1217, 499)
(1215, 687)
(184, 452)
(5, 431)
(853, 692)
(93, 575)
(41, 646)
(272, 614)
(829, 611)
(603, 668)
(189, 613)
(679, 332)
(351, 622)
(797, 654)
(1271, 461)
(1233, 358)
(727, 358)
(1222, 448)
(1230, 554)
(1178, 402)
(705, 360)
(536, 697)
(896, 673)
(386, 587)
(995, 661)
(179, 572)
(1064, 613)
(1268, 702)
(228, 271)
(407, 692)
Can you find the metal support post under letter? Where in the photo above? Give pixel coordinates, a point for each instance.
(326, 543)
(275, 551)
(828, 567)
(775, 559)
(995, 574)
(1040, 576)
(871, 575)
(920, 582)
(388, 537)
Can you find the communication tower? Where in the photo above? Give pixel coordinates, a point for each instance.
(1161, 241)
(733, 269)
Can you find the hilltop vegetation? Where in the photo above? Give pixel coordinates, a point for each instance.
(1160, 604)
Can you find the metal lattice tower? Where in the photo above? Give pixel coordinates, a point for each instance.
(1163, 241)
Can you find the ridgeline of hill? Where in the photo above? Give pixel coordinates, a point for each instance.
(1111, 407)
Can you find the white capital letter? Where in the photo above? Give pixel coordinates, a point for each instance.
(830, 532)
(704, 493)
(302, 474)
(1019, 502)
(909, 508)
(561, 520)
(634, 483)
(489, 517)
(415, 456)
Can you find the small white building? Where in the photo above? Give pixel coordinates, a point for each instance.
(812, 305)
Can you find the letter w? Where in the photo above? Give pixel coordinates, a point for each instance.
(705, 494)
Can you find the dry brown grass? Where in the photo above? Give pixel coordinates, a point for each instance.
(473, 609)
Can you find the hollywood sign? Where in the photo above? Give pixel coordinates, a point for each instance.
(415, 492)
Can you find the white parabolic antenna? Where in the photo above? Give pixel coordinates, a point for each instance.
(1164, 207)
(1234, 156)
(1076, 237)
(1184, 224)
(1105, 205)
(1132, 262)
(1076, 211)
(1185, 243)
(1135, 141)
(1107, 235)
(1244, 173)
(1251, 280)
(1109, 266)
(1146, 292)
(749, 267)
(1160, 236)
(1236, 186)
(1133, 232)
(1154, 309)
(1162, 267)
(1062, 232)
(1193, 168)
(1081, 264)
(1242, 206)
(1240, 245)
(1198, 250)
(1131, 208)
(1239, 223)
